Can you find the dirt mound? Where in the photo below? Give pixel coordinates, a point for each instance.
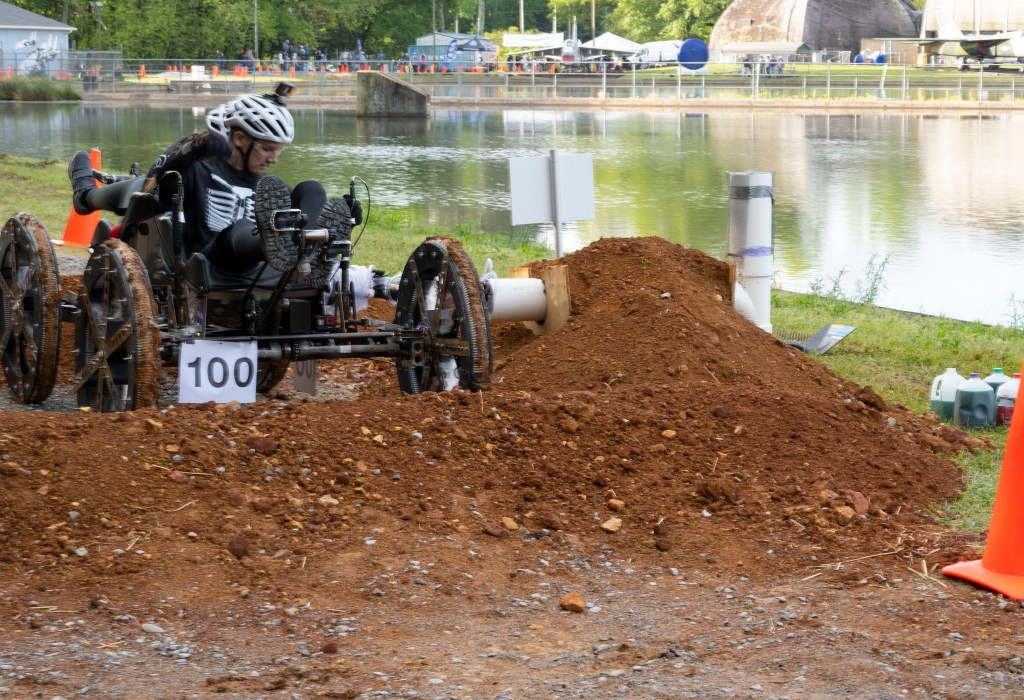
(657, 418)
(656, 426)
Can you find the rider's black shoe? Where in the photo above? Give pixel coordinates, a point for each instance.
(336, 218)
(82, 182)
(272, 194)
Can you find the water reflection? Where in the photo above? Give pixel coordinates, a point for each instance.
(935, 194)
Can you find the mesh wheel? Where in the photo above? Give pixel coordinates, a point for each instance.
(29, 309)
(439, 297)
(117, 340)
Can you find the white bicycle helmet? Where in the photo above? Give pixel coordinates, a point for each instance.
(261, 117)
(215, 121)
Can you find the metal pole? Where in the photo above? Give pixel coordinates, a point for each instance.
(679, 85)
(256, 29)
(828, 81)
(604, 80)
(555, 215)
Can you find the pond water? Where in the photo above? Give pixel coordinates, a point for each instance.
(932, 197)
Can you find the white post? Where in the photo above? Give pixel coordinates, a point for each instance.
(555, 215)
(751, 200)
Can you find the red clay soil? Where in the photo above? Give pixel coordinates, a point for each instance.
(657, 500)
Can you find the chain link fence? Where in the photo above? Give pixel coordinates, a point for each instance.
(110, 72)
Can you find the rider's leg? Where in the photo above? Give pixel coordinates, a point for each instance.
(82, 182)
(310, 197)
(236, 248)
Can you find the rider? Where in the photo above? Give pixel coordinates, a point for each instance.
(222, 171)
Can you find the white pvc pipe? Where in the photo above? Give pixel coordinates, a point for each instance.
(517, 299)
(750, 242)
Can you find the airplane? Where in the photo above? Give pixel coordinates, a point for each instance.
(997, 48)
(557, 49)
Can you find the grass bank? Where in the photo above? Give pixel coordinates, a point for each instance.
(896, 353)
(20, 89)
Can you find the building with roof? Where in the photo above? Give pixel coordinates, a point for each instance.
(971, 17)
(31, 44)
(777, 26)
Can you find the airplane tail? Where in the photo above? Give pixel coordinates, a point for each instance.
(945, 23)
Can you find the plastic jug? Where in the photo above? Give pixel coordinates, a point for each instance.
(996, 379)
(944, 393)
(1006, 397)
(975, 403)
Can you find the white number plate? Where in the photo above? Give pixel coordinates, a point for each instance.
(304, 376)
(210, 370)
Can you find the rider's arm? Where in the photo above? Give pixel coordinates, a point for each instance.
(189, 149)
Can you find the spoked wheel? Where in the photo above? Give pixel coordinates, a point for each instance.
(117, 340)
(439, 296)
(269, 374)
(29, 309)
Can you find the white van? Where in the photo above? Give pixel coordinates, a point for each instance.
(657, 53)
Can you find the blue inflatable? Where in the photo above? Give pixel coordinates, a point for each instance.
(693, 54)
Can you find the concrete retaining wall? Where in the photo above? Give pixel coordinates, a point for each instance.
(380, 95)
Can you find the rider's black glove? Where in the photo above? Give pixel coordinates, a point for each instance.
(356, 208)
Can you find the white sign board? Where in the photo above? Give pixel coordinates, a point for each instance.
(210, 370)
(533, 194)
(304, 376)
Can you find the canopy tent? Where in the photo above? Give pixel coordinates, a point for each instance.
(611, 42)
(533, 41)
(757, 48)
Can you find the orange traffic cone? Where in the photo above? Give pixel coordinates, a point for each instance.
(80, 227)
(1001, 567)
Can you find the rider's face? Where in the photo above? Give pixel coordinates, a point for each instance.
(262, 155)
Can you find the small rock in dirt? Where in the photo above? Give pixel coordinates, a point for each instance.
(844, 515)
(178, 477)
(616, 505)
(262, 445)
(495, 529)
(239, 546)
(153, 426)
(859, 502)
(262, 505)
(573, 602)
(152, 629)
(721, 412)
(550, 521)
(568, 424)
(510, 524)
(329, 648)
(612, 525)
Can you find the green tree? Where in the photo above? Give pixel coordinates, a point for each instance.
(652, 20)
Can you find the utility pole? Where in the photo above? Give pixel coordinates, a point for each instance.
(480, 18)
(522, 21)
(256, 29)
(593, 20)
